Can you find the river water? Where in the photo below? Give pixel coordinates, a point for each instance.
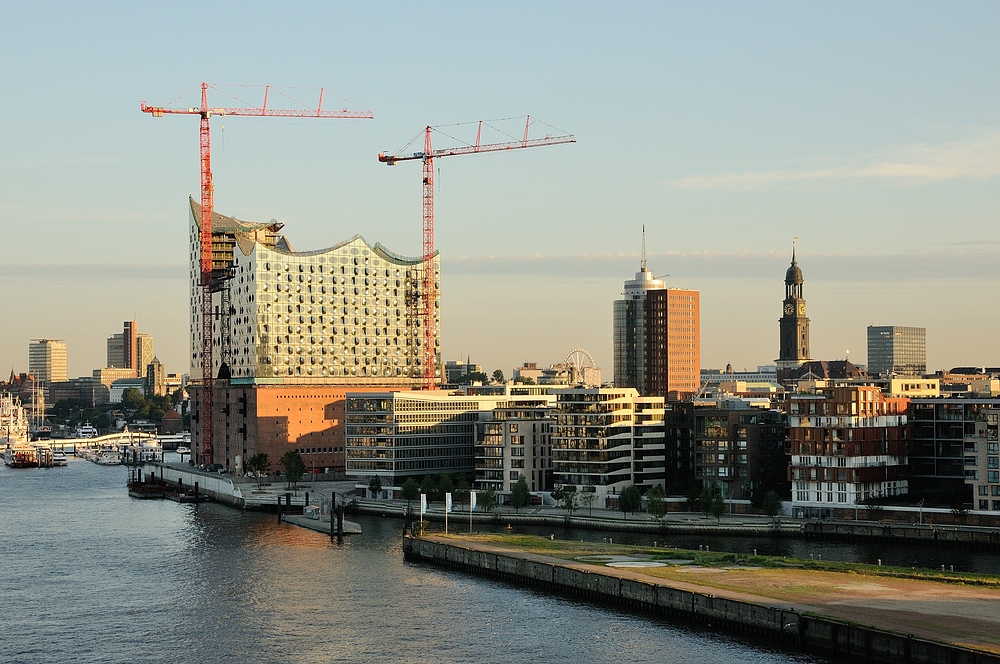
(90, 575)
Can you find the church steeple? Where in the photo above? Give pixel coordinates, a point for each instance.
(794, 326)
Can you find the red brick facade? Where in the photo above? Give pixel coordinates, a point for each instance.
(275, 419)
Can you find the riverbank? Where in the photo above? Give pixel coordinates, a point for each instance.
(692, 523)
(883, 618)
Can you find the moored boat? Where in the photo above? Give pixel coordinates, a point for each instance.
(59, 459)
(85, 431)
(107, 456)
(20, 455)
(13, 421)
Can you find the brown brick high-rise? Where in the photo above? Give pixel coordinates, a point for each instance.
(673, 343)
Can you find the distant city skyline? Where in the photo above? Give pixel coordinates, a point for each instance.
(724, 129)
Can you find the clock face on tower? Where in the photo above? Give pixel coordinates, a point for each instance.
(789, 309)
(802, 308)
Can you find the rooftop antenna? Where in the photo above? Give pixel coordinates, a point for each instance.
(644, 247)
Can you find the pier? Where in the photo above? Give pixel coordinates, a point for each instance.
(732, 611)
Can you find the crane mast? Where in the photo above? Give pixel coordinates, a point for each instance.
(428, 290)
(205, 112)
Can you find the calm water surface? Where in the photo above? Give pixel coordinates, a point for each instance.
(90, 575)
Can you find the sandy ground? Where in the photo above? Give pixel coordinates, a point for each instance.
(962, 614)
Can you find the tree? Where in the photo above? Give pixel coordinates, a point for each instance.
(654, 502)
(473, 377)
(259, 464)
(519, 494)
(488, 500)
(428, 487)
(588, 498)
(874, 507)
(462, 488)
(444, 486)
(524, 380)
(718, 506)
(132, 399)
(772, 504)
(293, 466)
(693, 497)
(409, 491)
(630, 500)
(566, 494)
(498, 377)
(375, 485)
(705, 500)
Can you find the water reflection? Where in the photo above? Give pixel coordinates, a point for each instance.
(91, 575)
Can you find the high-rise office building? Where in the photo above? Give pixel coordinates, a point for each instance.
(143, 353)
(673, 343)
(129, 333)
(116, 351)
(657, 337)
(130, 349)
(47, 360)
(897, 350)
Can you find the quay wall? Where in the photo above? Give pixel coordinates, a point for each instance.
(790, 627)
(934, 534)
(962, 536)
(219, 488)
(560, 520)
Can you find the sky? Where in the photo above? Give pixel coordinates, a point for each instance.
(869, 131)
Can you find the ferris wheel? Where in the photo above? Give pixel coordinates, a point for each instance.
(582, 367)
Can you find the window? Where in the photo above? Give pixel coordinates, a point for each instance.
(993, 476)
(984, 504)
(995, 490)
(514, 475)
(993, 462)
(996, 504)
(985, 490)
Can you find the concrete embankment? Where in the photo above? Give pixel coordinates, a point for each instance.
(961, 536)
(457, 519)
(783, 625)
(933, 534)
(222, 488)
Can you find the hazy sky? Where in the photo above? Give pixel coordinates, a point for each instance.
(869, 130)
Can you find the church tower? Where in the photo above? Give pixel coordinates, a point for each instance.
(794, 325)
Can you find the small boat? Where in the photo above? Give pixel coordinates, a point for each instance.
(108, 457)
(59, 459)
(183, 450)
(85, 431)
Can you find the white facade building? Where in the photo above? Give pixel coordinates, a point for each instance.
(348, 314)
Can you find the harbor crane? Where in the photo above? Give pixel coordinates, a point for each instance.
(205, 113)
(428, 290)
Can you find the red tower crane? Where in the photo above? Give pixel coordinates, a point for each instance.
(428, 289)
(205, 112)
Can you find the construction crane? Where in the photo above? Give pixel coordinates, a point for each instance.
(428, 290)
(205, 112)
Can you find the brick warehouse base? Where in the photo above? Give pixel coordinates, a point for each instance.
(274, 419)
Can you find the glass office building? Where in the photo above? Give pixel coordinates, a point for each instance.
(897, 350)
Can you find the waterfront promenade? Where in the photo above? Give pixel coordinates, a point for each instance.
(694, 523)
